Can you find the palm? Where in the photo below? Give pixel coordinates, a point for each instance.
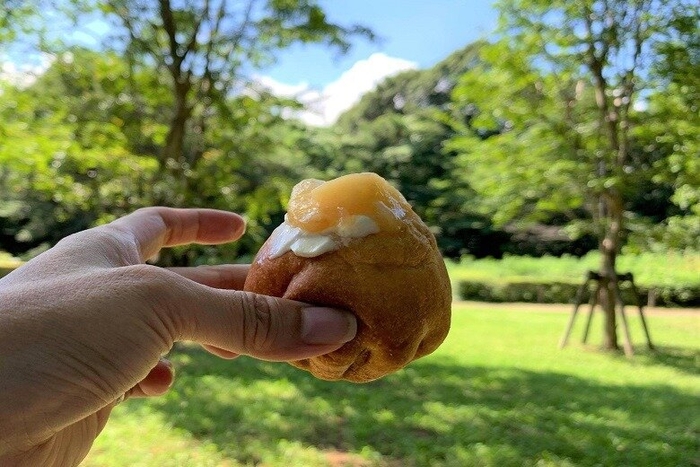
(69, 445)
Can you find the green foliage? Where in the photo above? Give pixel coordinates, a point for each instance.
(289, 21)
(557, 95)
(67, 157)
(207, 52)
(492, 137)
(649, 269)
(495, 393)
(500, 291)
(13, 14)
(413, 91)
(679, 54)
(517, 292)
(82, 146)
(669, 279)
(674, 131)
(399, 131)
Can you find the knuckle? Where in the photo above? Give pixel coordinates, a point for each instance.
(105, 235)
(143, 271)
(153, 280)
(97, 236)
(260, 322)
(113, 244)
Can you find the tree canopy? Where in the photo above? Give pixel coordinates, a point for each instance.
(576, 115)
(571, 102)
(569, 93)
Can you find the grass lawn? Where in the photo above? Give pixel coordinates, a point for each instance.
(649, 269)
(497, 393)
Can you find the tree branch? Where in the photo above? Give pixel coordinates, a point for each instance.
(191, 45)
(596, 64)
(166, 14)
(628, 85)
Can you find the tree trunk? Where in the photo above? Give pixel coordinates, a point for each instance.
(172, 163)
(607, 300)
(609, 248)
(174, 141)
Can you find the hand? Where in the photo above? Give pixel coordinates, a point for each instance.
(87, 321)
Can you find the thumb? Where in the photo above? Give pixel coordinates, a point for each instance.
(261, 326)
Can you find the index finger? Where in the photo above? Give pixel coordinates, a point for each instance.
(157, 227)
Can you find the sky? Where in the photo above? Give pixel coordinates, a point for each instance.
(411, 34)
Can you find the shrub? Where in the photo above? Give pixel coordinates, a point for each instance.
(565, 292)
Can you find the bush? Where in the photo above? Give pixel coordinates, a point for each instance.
(564, 292)
(649, 269)
(533, 292)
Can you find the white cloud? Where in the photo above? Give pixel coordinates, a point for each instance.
(323, 107)
(24, 74)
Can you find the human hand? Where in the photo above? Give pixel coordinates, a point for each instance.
(87, 321)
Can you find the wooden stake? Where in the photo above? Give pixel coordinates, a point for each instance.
(577, 303)
(594, 302)
(611, 289)
(629, 351)
(641, 312)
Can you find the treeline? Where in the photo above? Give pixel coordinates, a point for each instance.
(82, 145)
(168, 118)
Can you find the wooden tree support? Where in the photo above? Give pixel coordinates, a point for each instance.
(603, 283)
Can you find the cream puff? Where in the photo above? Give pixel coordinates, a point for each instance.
(355, 243)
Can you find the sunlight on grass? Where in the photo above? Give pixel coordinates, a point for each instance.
(648, 268)
(497, 393)
(8, 263)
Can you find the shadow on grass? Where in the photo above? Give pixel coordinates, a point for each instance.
(682, 359)
(431, 413)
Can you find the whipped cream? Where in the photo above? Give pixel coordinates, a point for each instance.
(287, 237)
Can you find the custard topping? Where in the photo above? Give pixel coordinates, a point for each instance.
(316, 206)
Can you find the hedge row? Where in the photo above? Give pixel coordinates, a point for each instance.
(563, 292)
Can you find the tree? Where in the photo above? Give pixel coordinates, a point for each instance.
(181, 104)
(81, 146)
(674, 117)
(398, 130)
(12, 14)
(207, 49)
(66, 158)
(563, 93)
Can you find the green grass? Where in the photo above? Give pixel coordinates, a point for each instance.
(497, 393)
(8, 263)
(650, 269)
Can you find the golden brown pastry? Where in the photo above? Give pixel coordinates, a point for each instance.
(355, 243)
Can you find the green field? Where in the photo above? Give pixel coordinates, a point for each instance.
(497, 393)
(649, 269)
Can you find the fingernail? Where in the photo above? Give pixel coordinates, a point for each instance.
(327, 326)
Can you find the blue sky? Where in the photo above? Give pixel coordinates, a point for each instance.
(421, 31)
(410, 34)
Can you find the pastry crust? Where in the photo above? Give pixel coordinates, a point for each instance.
(395, 283)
